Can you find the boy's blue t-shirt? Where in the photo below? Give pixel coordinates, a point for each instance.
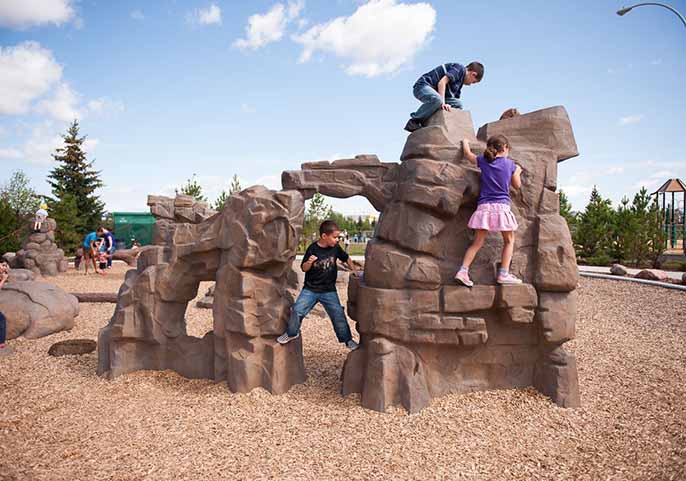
(455, 73)
(92, 237)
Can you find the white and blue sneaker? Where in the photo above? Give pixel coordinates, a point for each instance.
(352, 345)
(285, 338)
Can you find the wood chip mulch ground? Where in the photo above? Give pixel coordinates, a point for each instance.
(59, 421)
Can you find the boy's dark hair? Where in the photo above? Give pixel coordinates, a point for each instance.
(478, 68)
(494, 145)
(328, 227)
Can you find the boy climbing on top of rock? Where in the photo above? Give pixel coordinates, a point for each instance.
(440, 89)
(319, 266)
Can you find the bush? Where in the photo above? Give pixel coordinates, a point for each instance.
(600, 260)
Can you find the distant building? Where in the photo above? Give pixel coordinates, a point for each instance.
(363, 217)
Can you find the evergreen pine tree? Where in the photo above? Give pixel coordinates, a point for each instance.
(233, 189)
(235, 185)
(594, 228)
(566, 211)
(76, 177)
(65, 211)
(194, 189)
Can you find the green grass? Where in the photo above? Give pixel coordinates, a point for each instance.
(355, 249)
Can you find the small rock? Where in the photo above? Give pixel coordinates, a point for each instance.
(683, 278)
(72, 347)
(618, 270)
(652, 275)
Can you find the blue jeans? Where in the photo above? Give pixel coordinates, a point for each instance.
(431, 101)
(306, 302)
(3, 328)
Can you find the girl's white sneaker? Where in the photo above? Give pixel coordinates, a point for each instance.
(508, 279)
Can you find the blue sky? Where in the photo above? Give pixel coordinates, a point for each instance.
(167, 89)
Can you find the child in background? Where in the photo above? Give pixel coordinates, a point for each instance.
(41, 216)
(319, 266)
(102, 258)
(493, 212)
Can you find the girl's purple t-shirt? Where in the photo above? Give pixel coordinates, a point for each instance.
(495, 179)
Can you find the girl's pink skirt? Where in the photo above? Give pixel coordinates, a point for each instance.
(493, 217)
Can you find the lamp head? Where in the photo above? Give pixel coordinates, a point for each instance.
(623, 11)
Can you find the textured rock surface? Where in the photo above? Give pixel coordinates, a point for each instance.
(130, 256)
(247, 248)
(423, 336)
(35, 309)
(18, 275)
(39, 252)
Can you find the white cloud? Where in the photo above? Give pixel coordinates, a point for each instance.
(630, 119)
(26, 13)
(10, 153)
(269, 27)
(103, 106)
(211, 15)
(41, 143)
(27, 71)
(378, 38)
(137, 15)
(62, 106)
(614, 170)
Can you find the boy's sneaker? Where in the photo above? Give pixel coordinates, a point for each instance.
(413, 125)
(508, 278)
(463, 277)
(285, 338)
(352, 345)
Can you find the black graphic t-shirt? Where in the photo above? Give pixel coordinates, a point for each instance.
(322, 275)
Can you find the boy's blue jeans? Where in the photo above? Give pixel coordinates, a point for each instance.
(431, 101)
(306, 302)
(3, 328)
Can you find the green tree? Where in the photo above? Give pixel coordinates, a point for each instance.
(234, 188)
(220, 201)
(624, 232)
(22, 198)
(235, 185)
(76, 178)
(194, 189)
(594, 228)
(10, 228)
(317, 212)
(566, 211)
(69, 233)
(657, 237)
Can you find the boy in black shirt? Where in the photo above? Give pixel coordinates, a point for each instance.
(319, 265)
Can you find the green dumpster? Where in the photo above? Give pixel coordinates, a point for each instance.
(130, 226)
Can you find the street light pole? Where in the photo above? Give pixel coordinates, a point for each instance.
(625, 10)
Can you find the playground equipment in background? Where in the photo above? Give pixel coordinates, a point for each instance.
(673, 218)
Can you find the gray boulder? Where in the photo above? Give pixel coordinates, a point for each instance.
(618, 270)
(36, 309)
